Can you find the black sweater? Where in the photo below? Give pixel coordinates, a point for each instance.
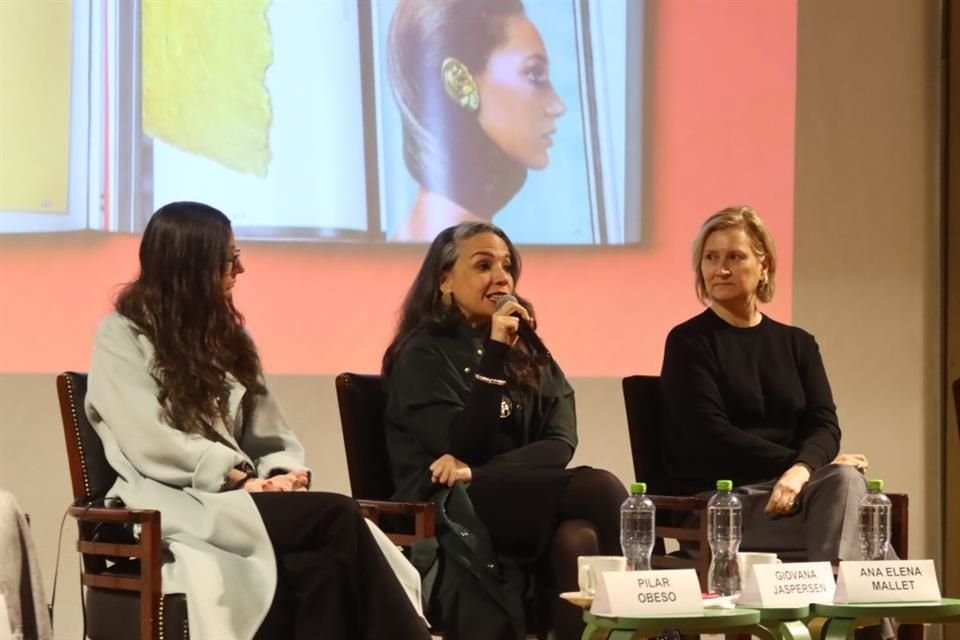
(435, 405)
(743, 403)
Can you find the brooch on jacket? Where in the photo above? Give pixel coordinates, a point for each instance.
(506, 407)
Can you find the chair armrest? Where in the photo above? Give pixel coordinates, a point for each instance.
(689, 504)
(697, 535)
(120, 515)
(423, 514)
(403, 508)
(900, 523)
(100, 554)
(679, 503)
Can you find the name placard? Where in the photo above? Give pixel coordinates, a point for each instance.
(785, 585)
(887, 581)
(634, 594)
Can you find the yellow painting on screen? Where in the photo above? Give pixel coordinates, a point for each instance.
(35, 59)
(204, 67)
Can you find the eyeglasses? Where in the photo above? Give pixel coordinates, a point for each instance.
(233, 263)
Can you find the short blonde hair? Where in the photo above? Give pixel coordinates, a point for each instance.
(745, 218)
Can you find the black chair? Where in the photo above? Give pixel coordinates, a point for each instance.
(362, 401)
(644, 406)
(121, 572)
(642, 401)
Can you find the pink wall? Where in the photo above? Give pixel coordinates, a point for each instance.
(721, 132)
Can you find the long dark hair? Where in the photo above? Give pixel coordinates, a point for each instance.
(423, 309)
(444, 147)
(178, 302)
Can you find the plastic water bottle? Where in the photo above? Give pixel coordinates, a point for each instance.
(637, 518)
(874, 518)
(724, 533)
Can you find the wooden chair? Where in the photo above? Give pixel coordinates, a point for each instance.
(644, 407)
(120, 571)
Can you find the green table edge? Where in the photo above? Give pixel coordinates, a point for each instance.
(781, 614)
(708, 619)
(946, 608)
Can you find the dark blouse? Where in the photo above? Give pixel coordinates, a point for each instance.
(436, 405)
(743, 403)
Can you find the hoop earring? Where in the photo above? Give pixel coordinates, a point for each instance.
(446, 299)
(459, 84)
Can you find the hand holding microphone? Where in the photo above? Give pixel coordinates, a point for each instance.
(514, 320)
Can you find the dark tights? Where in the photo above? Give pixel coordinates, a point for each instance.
(515, 507)
(590, 525)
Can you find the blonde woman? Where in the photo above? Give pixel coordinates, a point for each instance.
(747, 399)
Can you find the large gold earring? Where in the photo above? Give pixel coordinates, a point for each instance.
(459, 84)
(446, 299)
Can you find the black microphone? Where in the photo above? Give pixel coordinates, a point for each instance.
(530, 338)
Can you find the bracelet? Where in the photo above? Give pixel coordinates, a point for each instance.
(238, 484)
(494, 381)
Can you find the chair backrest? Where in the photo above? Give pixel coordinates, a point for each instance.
(642, 400)
(90, 473)
(362, 400)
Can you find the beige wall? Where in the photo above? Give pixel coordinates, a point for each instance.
(868, 281)
(867, 284)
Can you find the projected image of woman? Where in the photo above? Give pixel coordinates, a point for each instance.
(178, 397)
(471, 80)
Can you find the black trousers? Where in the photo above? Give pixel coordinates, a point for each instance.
(548, 517)
(332, 580)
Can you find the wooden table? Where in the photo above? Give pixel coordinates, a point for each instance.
(844, 618)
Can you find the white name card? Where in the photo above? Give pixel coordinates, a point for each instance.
(634, 594)
(785, 585)
(887, 581)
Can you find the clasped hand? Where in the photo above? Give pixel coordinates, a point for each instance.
(785, 496)
(447, 470)
(290, 481)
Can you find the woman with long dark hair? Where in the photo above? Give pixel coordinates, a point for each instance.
(177, 395)
(479, 425)
(471, 80)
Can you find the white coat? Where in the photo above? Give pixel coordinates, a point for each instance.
(222, 558)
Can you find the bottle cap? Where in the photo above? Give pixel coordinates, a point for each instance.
(875, 485)
(638, 487)
(724, 485)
